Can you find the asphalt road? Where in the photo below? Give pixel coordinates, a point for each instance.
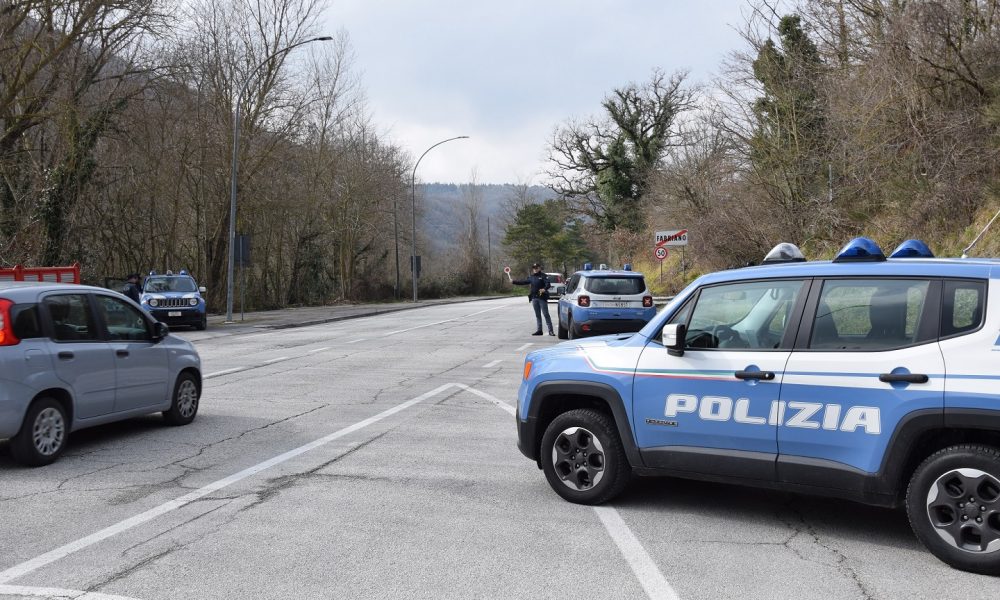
(376, 458)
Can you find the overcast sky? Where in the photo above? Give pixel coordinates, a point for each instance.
(507, 72)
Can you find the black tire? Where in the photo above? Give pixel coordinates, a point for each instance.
(591, 437)
(184, 403)
(570, 333)
(202, 325)
(953, 502)
(43, 434)
(560, 331)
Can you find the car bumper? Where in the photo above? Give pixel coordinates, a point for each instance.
(605, 327)
(186, 317)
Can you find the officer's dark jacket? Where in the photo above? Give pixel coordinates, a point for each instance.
(539, 285)
(132, 291)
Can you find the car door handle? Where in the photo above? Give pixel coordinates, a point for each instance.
(121, 353)
(64, 355)
(904, 377)
(762, 375)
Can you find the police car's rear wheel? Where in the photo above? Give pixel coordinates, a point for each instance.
(562, 329)
(569, 329)
(583, 457)
(953, 502)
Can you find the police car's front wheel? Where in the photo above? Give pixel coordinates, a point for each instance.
(953, 502)
(583, 457)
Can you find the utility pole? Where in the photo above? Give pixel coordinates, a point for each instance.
(489, 253)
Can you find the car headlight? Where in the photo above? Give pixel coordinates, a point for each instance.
(154, 302)
(193, 302)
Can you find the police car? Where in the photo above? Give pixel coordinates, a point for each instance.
(866, 378)
(174, 299)
(604, 301)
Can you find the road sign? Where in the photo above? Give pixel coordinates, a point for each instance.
(672, 237)
(660, 253)
(506, 270)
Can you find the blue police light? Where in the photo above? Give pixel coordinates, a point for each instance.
(152, 272)
(183, 272)
(588, 267)
(860, 249)
(912, 249)
(627, 267)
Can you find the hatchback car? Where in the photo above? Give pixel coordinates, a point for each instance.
(75, 356)
(604, 301)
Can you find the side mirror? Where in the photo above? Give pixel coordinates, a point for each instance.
(202, 290)
(674, 336)
(160, 331)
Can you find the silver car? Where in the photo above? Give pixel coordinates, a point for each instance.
(75, 356)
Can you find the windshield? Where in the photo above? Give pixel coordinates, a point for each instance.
(617, 286)
(156, 285)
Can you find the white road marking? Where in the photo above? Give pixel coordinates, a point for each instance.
(274, 360)
(52, 556)
(225, 372)
(318, 350)
(524, 347)
(356, 341)
(46, 592)
(492, 364)
(650, 578)
(441, 322)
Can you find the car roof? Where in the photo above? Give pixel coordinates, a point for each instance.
(974, 268)
(41, 287)
(610, 273)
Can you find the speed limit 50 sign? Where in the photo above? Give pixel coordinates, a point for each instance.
(660, 253)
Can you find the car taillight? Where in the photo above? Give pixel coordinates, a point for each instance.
(583, 300)
(647, 301)
(7, 337)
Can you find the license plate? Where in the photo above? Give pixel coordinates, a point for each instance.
(607, 304)
(174, 313)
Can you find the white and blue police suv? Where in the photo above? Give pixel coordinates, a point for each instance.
(871, 379)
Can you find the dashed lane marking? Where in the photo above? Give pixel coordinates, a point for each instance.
(524, 347)
(442, 322)
(492, 364)
(314, 351)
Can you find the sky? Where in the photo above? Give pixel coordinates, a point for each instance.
(507, 73)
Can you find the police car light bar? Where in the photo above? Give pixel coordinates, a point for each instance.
(912, 249)
(627, 267)
(603, 267)
(860, 249)
(784, 253)
(588, 267)
(183, 272)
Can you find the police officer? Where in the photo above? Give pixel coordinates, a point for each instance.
(132, 287)
(538, 295)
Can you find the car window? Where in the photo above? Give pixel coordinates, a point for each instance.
(571, 284)
(169, 284)
(751, 315)
(26, 323)
(869, 314)
(122, 320)
(71, 318)
(616, 286)
(962, 307)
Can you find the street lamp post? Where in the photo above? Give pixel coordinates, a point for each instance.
(413, 207)
(235, 165)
